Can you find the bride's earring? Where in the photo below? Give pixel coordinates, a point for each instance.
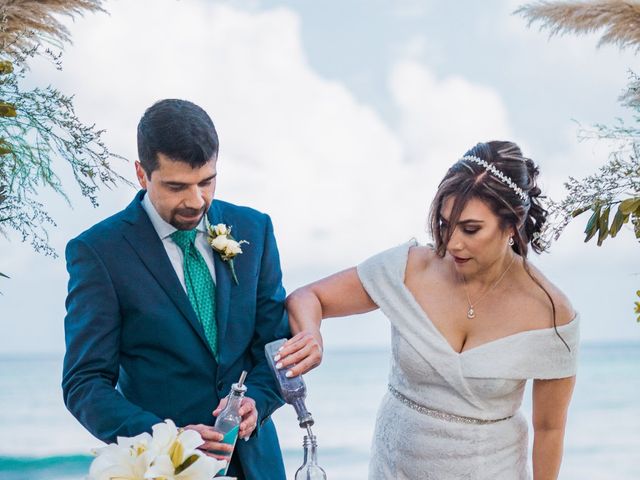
(511, 242)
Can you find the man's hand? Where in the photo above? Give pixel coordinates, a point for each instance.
(249, 415)
(212, 442)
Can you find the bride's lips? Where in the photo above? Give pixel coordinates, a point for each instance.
(459, 260)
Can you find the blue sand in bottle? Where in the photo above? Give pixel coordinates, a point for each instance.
(229, 438)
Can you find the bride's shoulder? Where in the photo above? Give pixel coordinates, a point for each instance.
(421, 257)
(546, 290)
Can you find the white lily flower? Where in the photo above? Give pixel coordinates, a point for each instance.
(190, 440)
(139, 443)
(164, 434)
(119, 462)
(162, 467)
(160, 456)
(203, 468)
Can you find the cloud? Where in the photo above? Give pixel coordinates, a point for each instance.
(440, 118)
(294, 144)
(327, 167)
(340, 181)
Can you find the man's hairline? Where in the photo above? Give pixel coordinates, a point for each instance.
(213, 157)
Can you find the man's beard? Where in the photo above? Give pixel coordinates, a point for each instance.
(189, 212)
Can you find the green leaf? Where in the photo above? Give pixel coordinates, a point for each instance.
(3, 275)
(618, 220)
(186, 464)
(580, 211)
(7, 109)
(630, 205)
(592, 224)
(6, 67)
(5, 147)
(603, 225)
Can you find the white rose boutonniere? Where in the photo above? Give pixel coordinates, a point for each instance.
(228, 247)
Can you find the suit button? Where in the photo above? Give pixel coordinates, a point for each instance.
(220, 385)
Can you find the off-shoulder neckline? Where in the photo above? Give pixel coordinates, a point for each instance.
(536, 331)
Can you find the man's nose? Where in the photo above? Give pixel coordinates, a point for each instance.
(194, 198)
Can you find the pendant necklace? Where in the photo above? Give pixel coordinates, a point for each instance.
(471, 313)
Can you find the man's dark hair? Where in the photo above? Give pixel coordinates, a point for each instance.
(179, 129)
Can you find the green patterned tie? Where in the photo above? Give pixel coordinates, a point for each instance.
(200, 287)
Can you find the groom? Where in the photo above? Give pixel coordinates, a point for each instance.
(157, 326)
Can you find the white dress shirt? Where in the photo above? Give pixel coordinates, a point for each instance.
(164, 231)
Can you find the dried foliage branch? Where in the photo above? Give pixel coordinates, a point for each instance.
(615, 184)
(26, 24)
(619, 19)
(631, 98)
(37, 127)
(615, 187)
(40, 126)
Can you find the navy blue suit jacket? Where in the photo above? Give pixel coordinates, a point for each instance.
(136, 352)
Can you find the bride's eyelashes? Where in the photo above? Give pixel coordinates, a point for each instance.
(469, 231)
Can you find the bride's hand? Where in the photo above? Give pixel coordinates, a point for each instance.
(304, 349)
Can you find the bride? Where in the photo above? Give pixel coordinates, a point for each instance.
(471, 321)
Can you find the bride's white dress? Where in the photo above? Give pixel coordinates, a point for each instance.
(450, 415)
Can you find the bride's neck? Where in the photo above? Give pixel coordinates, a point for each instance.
(489, 275)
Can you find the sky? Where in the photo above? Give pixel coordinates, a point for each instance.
(338, 119)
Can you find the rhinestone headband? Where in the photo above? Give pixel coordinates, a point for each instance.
(497, 173)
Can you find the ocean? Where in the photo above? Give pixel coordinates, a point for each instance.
(40, 440)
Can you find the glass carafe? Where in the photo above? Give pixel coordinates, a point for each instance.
(228, 422)
(310, 470)
(293, 390)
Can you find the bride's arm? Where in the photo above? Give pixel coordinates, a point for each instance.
(339, 295)
(550, 403)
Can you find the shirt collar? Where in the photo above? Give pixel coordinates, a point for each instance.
(164, 229)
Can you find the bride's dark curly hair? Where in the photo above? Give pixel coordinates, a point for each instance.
(466, 180)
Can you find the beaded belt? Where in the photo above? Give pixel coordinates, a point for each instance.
(449, 417)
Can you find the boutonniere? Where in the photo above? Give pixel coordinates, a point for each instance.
(228, 247)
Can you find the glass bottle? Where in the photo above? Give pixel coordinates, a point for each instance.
(310, 470)
(293, 390)
(228, 422)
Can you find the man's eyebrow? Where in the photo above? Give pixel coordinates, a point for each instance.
(180, 184)
(210, 177)
(173, 183)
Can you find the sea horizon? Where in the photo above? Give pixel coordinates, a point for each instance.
(42, 441)
(355, 348)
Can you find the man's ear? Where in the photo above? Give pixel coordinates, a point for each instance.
(142, 175)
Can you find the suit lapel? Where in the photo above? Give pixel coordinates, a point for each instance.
(223, 282)
(144, 239)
